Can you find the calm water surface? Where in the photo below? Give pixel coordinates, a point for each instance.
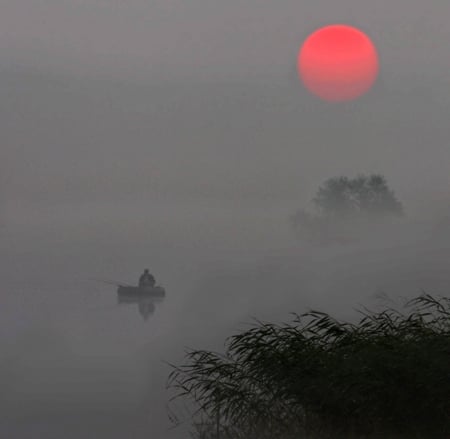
(76, 364)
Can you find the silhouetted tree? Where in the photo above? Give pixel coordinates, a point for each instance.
(370, 195)
(341, 200)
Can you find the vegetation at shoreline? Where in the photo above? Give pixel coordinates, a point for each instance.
(342, 203)
(316, 377)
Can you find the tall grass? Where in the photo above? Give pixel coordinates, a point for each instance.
(316, 377)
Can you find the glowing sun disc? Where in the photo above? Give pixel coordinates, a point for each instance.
(338, 63)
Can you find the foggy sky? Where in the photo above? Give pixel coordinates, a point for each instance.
(202, 40)
(176, 135)
(103, 98)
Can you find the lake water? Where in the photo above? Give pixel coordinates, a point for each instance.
(76, 364)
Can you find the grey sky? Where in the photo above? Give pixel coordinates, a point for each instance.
(192, 49)
(197, 105)
(203, 40)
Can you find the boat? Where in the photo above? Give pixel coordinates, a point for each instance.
(136, 291)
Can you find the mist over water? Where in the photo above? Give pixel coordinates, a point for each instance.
(197, 183)
(74, 362)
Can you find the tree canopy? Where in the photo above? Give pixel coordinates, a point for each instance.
(343, 201)
(343, 196)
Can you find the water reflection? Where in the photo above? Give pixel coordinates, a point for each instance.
(145, 303)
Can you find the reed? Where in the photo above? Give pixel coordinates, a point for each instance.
(316, 377)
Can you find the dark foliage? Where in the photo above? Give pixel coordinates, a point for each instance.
(387, 376)
(342, 201)
(371, 195)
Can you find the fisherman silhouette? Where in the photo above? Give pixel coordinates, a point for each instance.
(146, 279)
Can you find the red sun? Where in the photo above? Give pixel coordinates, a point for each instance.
(338, 63)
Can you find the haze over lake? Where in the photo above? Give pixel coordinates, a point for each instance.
(191, 163)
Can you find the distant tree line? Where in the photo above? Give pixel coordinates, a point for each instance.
(343, 200)
(387, 376)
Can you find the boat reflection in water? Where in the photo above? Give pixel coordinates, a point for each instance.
(145, 298)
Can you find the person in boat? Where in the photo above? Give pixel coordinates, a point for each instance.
(146, 279)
